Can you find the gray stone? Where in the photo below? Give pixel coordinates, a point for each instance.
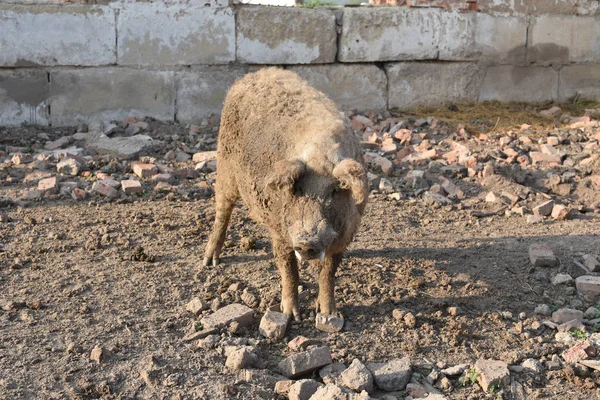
(310, 35)
(579, 80)
(543, 309)
(561, 279)
(42, 35)
(532, 365)
(492, 372)
(357, 377)
(201, 90)
(273, 325)
(303, 389)
(196, 306)
(240, 359)
(305, 362)
(228, 314)
(329, 323)
(175, 34)
(455, 370)
(541, 255)
(122, 147)
(562, 39)
(23, 96)
(83, 95)
(389, 34)
(334, 392)
(350, 86)
(393, 375)
(566, 314)
(544, 209)
(588, 287)
(68, 166)
(427, 83)
(591, 262)
(513, 83)
(331, 373)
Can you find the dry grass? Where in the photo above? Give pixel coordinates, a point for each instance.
(493, 116)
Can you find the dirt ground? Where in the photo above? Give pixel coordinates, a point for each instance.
(69, 281)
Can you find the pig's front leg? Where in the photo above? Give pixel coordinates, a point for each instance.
(288, 269)
(326, 300)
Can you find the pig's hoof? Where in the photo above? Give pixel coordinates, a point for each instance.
(207, 261)
(293, 314)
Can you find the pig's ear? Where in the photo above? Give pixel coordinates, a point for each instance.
(351, 175)
(284, 174)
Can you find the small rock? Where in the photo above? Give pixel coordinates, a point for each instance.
(410, 320)
(21, 158)
(357, 377)
(492, 372)
(105, 190)
(68, 166)
(570, 326)
(226, 315)
(591, 263)
(564, 338)
(303, 389)
(305, 362)
(196, 306)
(560, 212)
(541, 255)
(98, 354)
(144, 170)
(240, 359)
(532, 365)
(544, 209)
(543, 309)
(273, 325)
(48, 185)
(588, 286)
(592, 313)
(534, 219)
(331, 373)
(204, 156)
(283, 387)
(249, 299)
(300, 343)
(131, 186)
(453, 311)
(560, 279)
(566, 314)
(393, 375)
(581, 351)
(329, 323)
(416, 391)
(455, 370)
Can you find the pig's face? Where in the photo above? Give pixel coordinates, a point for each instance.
(317, 206)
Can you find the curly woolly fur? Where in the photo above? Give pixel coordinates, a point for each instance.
(289, 154)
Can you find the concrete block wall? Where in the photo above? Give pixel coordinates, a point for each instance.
(63, 64)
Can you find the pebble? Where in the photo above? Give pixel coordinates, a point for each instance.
(492, 372)
(305, 362)
(240, 359)
(226, 315)
(393, 375)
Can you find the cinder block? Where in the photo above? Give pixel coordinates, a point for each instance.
(110, 94)
(581, 79)
(160, 34)
(54, 35)
(201, 91)
(389, 34)
(477, 36)
(350, 86)
(427, 83)
(23, 97)
(272, 35)
(511, 83)
(561, 39)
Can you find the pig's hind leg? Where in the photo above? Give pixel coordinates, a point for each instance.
(226, 194)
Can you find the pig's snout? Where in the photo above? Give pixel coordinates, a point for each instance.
(308, 249)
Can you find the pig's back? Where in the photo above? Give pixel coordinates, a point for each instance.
(267, 114)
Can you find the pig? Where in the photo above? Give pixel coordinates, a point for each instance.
(287, 152)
